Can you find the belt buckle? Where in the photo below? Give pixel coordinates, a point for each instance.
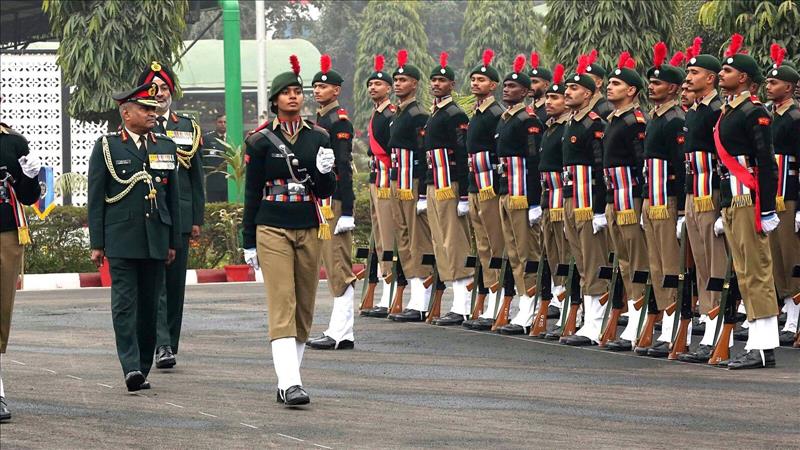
(295, 189)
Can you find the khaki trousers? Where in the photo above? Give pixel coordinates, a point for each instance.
(590, 251)
(412, 233)
(10, 266)
(752, 261)
(522, 243)
(450, 235)
(383, 226)
(555, 245)
(708, 250)
(785, 246)
(663, 251)
(629, 247)
(290, 261)
(485, 218)
(337, 256)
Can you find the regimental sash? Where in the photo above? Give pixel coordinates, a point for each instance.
(439, 160)
(621, 180)
(582, 192)
(324, 231)
(740, 193)
(552, 182)
(657, 189)
(701, 166)
(783, 162)
(480, 164)
(516, 173)
(403, 160)
(747, 176)
(326, 208)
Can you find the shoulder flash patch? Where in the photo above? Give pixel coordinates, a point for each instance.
(681, 139)
(764, 121)
(534, 130)
(343, 135)
(639, 116)
(593, 115)
(321, 130)
(392, 107)
(529, 109)
(598, 135)
(755, 99)
(463, 126)
(342, 113)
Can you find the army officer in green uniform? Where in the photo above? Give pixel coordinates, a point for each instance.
(186, 134)
(134, 222)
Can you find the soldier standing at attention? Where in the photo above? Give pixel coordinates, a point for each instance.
(337, 252)
(19, 186)
(541, 77)
(186, 134)
(747, 195)
(597, 73)
(134, 221)
(289, 167)
(216, 182)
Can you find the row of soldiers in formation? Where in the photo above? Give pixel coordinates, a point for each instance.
(582, 203)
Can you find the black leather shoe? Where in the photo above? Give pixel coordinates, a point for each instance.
(145, 385)
(786, 338)
(450, 319)
(576, 341)
(512, 329)
(5, 414)
(134, 380)
(698, 328)
(553, 312)
(641, 351)
(699, 356)
(782, 319)
(328, 343)
(480, 324)
(622, 321)
(754, 359)
(378, 311)
(165, 359)
(741, 335)
(552, 335)
(619, 345)
(659, 350)
(408, 315)
(294, 396)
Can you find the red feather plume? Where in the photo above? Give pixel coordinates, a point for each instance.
(325, 63)
(623, 60)
(402, 57)
(443, 59)
(677, 59)
(736, 45)
(558, 74)
(295, 64)
(630, 63)
(592, 57)
(659, 54)
(534, 60)
(519, 63)
(583, 63)
(379, 62)
(488, 54)
(689, 53)
(777, 54)
(697, 44)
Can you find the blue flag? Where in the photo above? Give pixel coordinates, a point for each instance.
(47, 199)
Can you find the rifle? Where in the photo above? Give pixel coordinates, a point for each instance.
(569, 316)
(476, 286)
(539, 323)
(501, 315)
(395, 290)
(683, 284)
(616, 293)
(649, 316)
(729, 287)
(435, 301)
(368, 288)
(796, 298)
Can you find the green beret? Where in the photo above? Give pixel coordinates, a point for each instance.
(784, 73)
(596, 69)
(446, 72)
(668, 73)
(747, 64)
(557, 86)
(486, 68)
(629, 76)
(326, 74)
(583, 80)
(406, 69)
(284, 80)
(378, 73)
(708, 62)
(542, 73)
(521, 78)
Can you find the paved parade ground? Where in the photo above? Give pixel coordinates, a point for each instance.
(405, 385)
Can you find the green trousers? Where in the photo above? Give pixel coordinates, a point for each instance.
(170, 302)
(135, 287)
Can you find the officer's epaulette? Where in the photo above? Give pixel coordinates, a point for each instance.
(593, 115)
(495, 109)
(716, 104)
(639, 116)
(673, 113)
(321, 130)
(113, 134)
(794, 113)
(414, 110)
(342, 113)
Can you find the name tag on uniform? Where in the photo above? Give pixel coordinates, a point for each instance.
(122, 161)
(162, 162)
(180, 137)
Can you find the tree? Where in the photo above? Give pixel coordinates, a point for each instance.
(575, 27)
(385, 28)
(284, 18)
(686, 26)
(761, 22)
(443, 20)
(508, 27)
(105, 45)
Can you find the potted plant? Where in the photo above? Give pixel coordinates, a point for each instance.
(229, 224)
(233, 166)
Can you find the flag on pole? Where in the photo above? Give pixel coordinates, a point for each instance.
(46, 201)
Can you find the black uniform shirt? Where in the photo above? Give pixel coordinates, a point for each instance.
(381, 117)
(664, 139)
(623, 145)
(447, 128)
(582, 144)
(481, 131)
(700, 120)
(334, 119)
(12, 147)
(519, 133)
(786, 140)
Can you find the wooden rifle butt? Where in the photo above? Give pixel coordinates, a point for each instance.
(797, 340)
(713, 313)
(646, 336)
(796, 298)
(679, 345)
(436, 308)
(722, 351)
(637, 305)
(610, 333)
(368, 302)
(562, 296)
(389, 278)
(571, 325)
(539, 324)
(427, 282)
(495, 287)
(604, 299)
(670, 310)
(397, 301)
(480, 299)
(531, 291)
(471, 286)
(361, 274)
(502, 314)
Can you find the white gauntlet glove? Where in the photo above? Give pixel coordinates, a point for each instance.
(599, 223)
(325, 160)
(719, 229)
(534, 215)
(251, 258)
(31, 164)
(422, 205)
(344, 224)
(463, 208)
(769, 222)
(797, 222)
(679, 227)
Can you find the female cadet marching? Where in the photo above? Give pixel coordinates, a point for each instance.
(289, 167)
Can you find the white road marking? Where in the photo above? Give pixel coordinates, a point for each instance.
(74, 377)
(248, 425)
(51, 371)
(173, 404)
(105, 385)
(290, 437)
(207, 414)
(17, 362)
(320, 446)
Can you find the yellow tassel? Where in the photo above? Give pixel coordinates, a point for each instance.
(384, 193)
(517, 202)
(445, 193)
(703, 204)
(627, 217)
(659, 212)
(556, 214)
(739, 201)
(583, 214)
(324, 231)
(486, 193)
(24, 235)
(405, 194)
(327, 212)
(780, 205)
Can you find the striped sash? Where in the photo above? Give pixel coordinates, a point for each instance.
(552, 182)
(621, 181)
(404, 164)
(439, 161)
(480, 164)
(582, 192)
(517, 187)
(740, 194)
(324, 231)
(283, 197)
(382, 178)
(702, 168)
(783, 162)
(657, 189)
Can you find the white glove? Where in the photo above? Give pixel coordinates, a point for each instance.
(679, 227)
(797, 222)
(31, 164)
(641, 220)
(599, 223)
(463, 208)
(534, 215)
(325, 160)
(719, 229)
(769, 222)
(422, 205)
(344, 224)
(251, 258)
